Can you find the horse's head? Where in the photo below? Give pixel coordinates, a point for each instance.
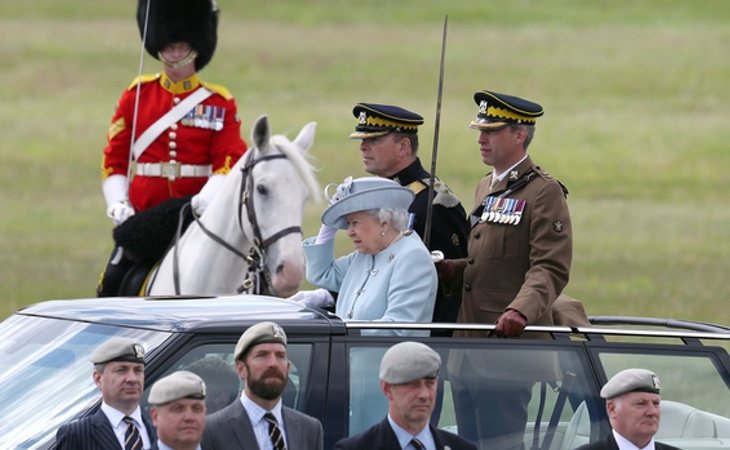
(278, 183)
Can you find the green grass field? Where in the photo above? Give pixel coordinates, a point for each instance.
(636, 123)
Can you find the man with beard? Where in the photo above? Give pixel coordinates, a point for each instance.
(119, 423)
(259, 419)
(409, 373)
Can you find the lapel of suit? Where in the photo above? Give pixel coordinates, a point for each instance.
(437, 438)
(612, 444)
(292, 429)
(102, 432)
(386, 438)
(151, 431)
(241, 425)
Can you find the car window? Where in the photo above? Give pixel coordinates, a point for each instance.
(554, 382)
(41, 357)
(214, 363)
(695, 402)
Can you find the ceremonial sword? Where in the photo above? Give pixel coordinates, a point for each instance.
(434, 152)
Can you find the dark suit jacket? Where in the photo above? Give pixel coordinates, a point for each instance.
(381, 436)
(609, 443)
(94, 432)
(230, 428)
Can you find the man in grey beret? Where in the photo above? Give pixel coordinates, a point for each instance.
(632, 403)
(119, 423)
(259, 420)
(409, 374)
(178, 410)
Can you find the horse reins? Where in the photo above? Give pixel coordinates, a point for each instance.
(257, 252)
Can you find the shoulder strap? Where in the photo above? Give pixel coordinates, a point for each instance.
(172, 116)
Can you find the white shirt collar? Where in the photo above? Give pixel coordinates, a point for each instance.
(116, 417)
(625, 444)
(256, 413)
(404, 437)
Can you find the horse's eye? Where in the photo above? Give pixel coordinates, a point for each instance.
(261, 189)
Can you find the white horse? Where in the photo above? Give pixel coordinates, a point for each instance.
(250, 237)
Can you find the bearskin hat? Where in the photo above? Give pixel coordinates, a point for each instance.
(170, 21)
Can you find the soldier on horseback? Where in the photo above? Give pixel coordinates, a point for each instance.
(172, 135)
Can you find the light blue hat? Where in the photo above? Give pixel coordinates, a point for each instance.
(364, 194)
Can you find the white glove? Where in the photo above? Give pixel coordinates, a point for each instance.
(318, 298)
(114, 189)
(326, 234)
(202, 199)
(120, 211)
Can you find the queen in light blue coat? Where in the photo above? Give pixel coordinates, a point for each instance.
(390, 277)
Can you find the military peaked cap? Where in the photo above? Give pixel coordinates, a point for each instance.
(499, 110)
(374, 120)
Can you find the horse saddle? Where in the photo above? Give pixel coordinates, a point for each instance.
(146, 237)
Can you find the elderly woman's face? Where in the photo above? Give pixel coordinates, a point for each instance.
(364, 230)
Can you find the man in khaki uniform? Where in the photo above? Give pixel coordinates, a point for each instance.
(519, 256)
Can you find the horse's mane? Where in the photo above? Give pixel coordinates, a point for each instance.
(301, 163)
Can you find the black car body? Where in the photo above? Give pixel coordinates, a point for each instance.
(45, 376)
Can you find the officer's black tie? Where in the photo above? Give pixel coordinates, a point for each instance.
(277, 440)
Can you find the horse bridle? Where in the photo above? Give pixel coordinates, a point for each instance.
(257, 253)
(256, 257)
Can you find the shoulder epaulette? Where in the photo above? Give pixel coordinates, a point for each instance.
(547, 176)
(417, 186)
(142, 79)
(442, 194)
(219, 89)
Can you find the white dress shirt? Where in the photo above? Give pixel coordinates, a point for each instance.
(116, 419)
(260, 425)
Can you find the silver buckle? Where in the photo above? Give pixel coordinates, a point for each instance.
(170, 170)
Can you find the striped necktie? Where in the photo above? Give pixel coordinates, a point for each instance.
(132, 438)
(277, 440)
(417, 445)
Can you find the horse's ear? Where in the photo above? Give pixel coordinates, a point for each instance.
(305, 139)
(261, 132)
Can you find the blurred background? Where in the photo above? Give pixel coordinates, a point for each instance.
(636, 123)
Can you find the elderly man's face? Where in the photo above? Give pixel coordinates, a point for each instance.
(411, 402)
(180, 423)
(121, 384)
(635, 416)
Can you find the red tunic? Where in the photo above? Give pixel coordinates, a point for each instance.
(188, 141)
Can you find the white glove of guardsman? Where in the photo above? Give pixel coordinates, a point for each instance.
(120, 211)
(318, 298)
(118, 207)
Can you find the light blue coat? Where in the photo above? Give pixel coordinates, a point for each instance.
(397, 284)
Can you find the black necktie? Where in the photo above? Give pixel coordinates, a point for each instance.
(417, 444)
(277, 440)
(132, 438)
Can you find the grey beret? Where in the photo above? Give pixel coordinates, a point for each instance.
(631, 380)
(118, 349)
(408, 361)
(260, 333)
(177, 385)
